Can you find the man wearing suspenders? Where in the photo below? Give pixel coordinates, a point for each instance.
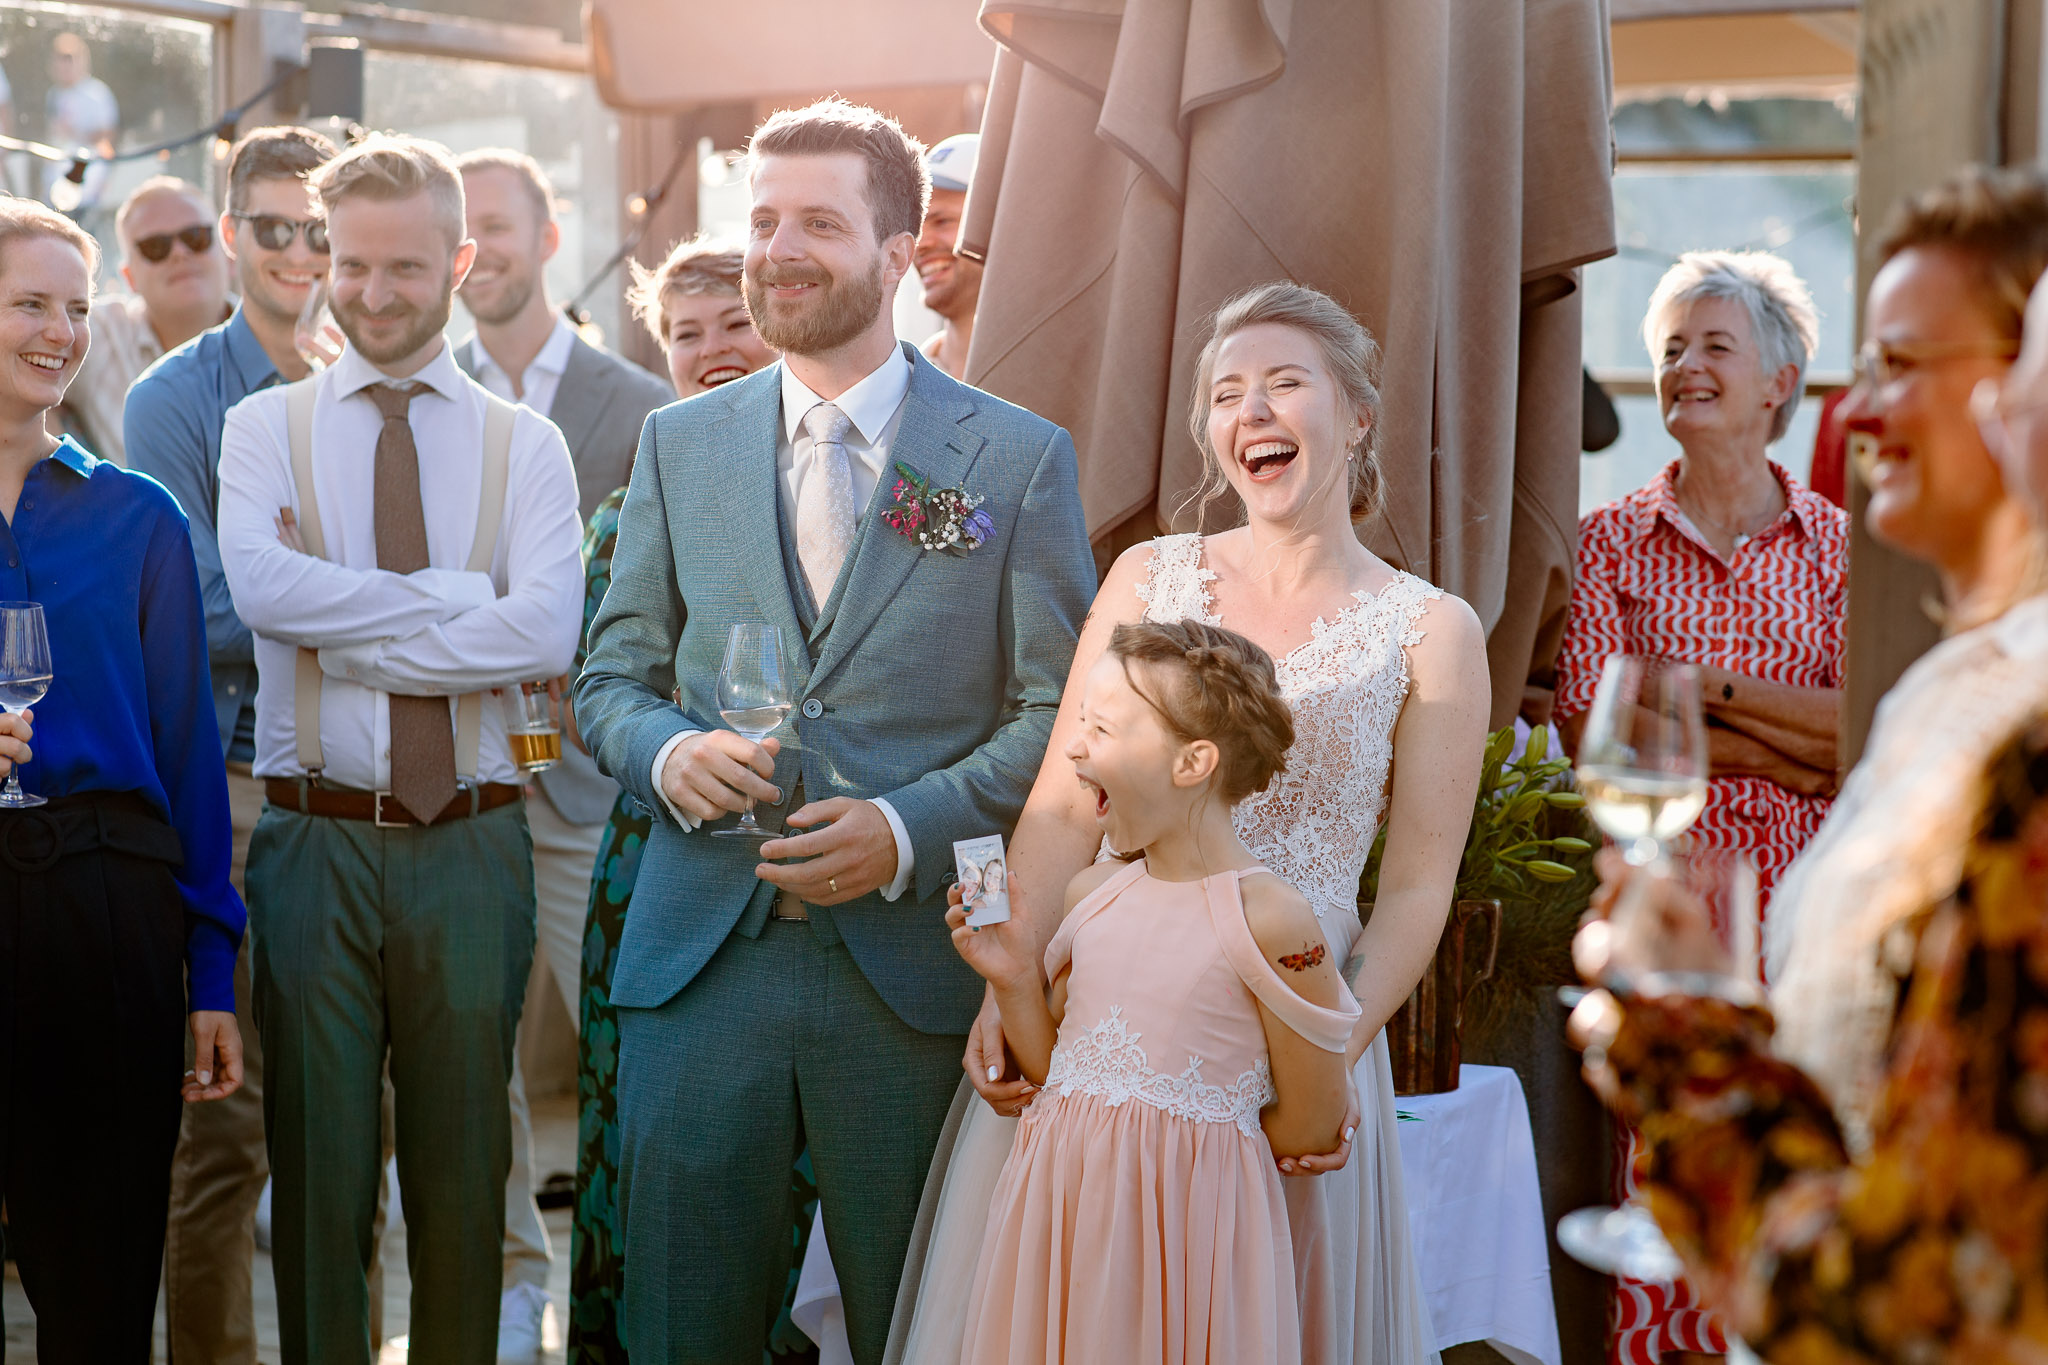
(401, 543)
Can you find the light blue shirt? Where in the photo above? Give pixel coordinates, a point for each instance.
(172, 427)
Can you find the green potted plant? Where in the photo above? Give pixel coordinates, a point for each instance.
(1514, 851)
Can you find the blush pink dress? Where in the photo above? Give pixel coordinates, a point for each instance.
(1140, 1217)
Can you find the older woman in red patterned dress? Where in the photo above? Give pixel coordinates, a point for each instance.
(1725, 561)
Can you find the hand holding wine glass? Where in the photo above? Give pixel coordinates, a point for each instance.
(756, 688)
(25, 675)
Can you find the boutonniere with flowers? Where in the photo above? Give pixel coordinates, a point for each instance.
(947, 519)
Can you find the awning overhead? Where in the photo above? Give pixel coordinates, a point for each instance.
(661, 56)
(1660, 48)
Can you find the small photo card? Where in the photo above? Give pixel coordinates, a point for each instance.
(984, 879)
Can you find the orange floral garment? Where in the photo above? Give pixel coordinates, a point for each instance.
(1934, 1251)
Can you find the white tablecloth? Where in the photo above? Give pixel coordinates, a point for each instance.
(1476, 1215)
(1474, 1210)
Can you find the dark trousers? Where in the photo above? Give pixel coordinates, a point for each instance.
(410, 946)
(92, 1025)
(779, 1041)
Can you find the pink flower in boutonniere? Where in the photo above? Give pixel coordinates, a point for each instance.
(943, 519)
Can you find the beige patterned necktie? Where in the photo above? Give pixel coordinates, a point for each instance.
(422, 739)
(825, 512)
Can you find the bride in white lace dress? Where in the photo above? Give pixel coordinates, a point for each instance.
(1388, 681)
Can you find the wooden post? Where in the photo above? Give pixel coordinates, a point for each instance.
(1935, 82)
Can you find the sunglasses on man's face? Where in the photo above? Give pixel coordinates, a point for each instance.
(198, 240)
(273, 233)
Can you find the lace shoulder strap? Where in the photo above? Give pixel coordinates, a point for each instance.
(1060, 951)
(1328, 1029)
(1174, 581)
(1407, 599)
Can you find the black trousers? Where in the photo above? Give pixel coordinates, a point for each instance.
(92, 1022)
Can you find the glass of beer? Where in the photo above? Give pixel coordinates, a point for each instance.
(533, 727)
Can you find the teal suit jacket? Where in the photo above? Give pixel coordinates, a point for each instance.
(933, 680)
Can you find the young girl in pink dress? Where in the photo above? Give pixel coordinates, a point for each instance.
(1194, 1028)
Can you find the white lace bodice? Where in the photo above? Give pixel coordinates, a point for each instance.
(1314, 826)
(1108, 1061)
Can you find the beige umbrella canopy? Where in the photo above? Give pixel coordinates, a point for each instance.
(1440, 169)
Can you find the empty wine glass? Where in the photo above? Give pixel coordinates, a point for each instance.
(756, 687)
(24, 677)
(316, 336)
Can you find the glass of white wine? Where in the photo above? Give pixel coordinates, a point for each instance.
(1642, 767)
(756, 687)
(1642, 763)
(25, 675)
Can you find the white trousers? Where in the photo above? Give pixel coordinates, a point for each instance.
(564, 857)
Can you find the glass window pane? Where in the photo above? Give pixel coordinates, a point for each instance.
(134, 82)
(1799, 211)
(553, 116)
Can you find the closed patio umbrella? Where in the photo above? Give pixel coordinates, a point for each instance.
(1439, 169)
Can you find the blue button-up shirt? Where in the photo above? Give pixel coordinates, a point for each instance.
(172, 431)
(106, 553)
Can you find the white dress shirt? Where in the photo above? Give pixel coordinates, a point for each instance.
(871, 405)
(439, 631)
(543, 375)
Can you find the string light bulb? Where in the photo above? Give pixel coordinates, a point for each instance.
(636, 205)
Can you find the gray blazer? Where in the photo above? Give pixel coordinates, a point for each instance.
(933, 682)
(601, 404)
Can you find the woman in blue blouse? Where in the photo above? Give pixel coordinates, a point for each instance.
(118, 926)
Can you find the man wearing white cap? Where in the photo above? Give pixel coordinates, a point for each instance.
(952, 284)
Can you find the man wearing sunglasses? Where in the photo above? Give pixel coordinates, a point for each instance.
(172, 261)
(173, 424)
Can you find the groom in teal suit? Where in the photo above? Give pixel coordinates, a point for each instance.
(806, 990)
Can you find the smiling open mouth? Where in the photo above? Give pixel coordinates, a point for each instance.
(1268, 459)
(724, 374)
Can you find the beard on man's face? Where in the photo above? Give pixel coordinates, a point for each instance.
(423, 327)
(827, 318)
(515, 288)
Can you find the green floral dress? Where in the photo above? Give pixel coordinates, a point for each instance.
(597, 1245)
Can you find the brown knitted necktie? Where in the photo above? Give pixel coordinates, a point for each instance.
(422, 739)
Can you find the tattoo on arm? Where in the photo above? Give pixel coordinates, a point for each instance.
(1311, 955)
(1353, 965)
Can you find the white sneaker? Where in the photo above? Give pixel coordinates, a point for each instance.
(521, 1314)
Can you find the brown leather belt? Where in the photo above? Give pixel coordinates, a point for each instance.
(380, 808)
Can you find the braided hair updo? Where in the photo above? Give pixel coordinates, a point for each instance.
(1212, 684)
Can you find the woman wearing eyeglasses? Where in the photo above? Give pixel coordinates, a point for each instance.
(171, 259)
(1885, 1203)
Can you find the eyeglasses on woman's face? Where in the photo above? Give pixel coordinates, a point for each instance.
(274, 233)
(156, 248)
(1880, 364)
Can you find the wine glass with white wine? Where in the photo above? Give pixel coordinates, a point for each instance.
(25, 675)
(756, 687)
(1642, 767)
(1642, 763)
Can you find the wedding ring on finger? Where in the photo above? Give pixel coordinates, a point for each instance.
(833, 882)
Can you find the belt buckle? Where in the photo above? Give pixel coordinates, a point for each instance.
(403, 819)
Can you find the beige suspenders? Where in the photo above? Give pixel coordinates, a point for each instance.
(490, 510)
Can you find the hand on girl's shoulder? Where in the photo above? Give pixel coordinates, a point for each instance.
(1288, 933)
(1090, 877)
